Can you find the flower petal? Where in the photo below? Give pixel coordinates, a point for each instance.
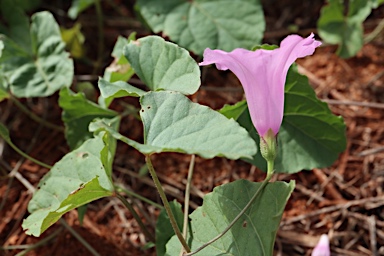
(322, 248)
(262, 74)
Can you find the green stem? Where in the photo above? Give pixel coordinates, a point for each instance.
(136, 216)
(270, 166)
(10, 143)
(270, 172)
(166, 203)
(35, 117)
(144, 199)
(100, 48)
(187, 195)
(79, 238)
(186, 199)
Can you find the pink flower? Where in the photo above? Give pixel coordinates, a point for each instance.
(322, 248)
(262, 74)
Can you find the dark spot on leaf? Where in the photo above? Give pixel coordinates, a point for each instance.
(142, 110)
(149, 107)
(245, 224)
(83, 155)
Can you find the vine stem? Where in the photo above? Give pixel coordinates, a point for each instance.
(79, 238)
(270, 171)
(20, 152)
(100, 46)
(142, 198)
(136, 216)
(187, 197)
(35, 117)
(166, 204)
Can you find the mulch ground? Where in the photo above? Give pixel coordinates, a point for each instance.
(345, 200)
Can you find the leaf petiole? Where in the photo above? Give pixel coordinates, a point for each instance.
(166, 203)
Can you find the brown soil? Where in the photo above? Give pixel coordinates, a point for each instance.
(346, 200)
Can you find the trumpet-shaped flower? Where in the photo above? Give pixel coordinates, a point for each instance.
(322, 248)
(262, 74)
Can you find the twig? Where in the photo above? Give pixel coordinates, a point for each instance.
(334, 208)
(375, 32)
(325, 182)
(354, 103)
(371, 151)
(32, 189)
(372, 234)
(30, 247)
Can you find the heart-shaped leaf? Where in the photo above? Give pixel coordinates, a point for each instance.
(78, 178)
(163, 65)
(41, 67)
(172, 123)
(198, 24)
(253, 234)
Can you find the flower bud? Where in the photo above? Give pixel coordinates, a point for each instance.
(268, 146)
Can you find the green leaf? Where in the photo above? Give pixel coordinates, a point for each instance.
(16, 24)
(172, 123)
(253, 234)
(74, 40)
(78, 112)
(234, 111)
(345, 30)
(78, 178)
(164, 230)
(163, 65)
(120, 69)
(28, 5)
(110, 91)
(88, 89)
(81, 211)
(79, 6)
(3, 91)
(310, 135)
(44, 69)
(265, 47)
(198, 24)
